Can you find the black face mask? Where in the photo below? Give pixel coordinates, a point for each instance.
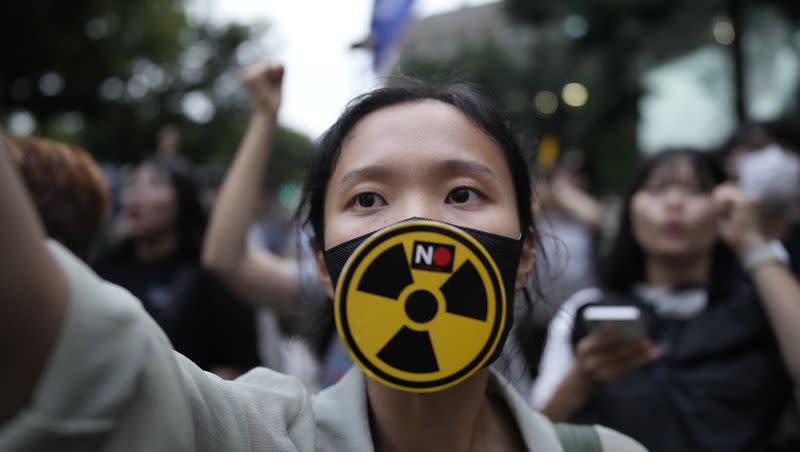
(504, 251)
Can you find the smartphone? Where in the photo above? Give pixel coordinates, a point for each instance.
(625, 320)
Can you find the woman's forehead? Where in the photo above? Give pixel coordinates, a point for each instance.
(677, 168)
(420, 131)
(149, 172)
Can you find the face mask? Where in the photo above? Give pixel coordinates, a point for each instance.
(422, 305)
(771, 174)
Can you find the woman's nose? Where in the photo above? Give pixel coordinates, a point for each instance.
(132, 192)
(421, 206)
(674, 197)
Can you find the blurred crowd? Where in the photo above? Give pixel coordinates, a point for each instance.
(231, 278)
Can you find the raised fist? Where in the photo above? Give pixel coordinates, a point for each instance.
(263, 81)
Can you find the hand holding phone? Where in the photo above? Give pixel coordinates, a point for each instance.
(605, 358)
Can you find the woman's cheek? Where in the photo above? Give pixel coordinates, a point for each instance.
(705, 217)
(702, 220)
(162, 210)
(641, 212)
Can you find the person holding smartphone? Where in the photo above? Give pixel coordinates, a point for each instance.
(721, 313)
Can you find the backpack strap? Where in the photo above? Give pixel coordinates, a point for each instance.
(578, 438)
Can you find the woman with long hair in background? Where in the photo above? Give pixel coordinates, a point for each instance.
(711, 373)
(159, 262)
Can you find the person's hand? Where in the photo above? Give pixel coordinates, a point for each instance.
(739, 220)
(605, 357)
(563, 190)
(575, 202)
(544, 195)
(263, 81)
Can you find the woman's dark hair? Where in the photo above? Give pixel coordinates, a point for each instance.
(625, 264)
(757, 135)
(190, 218)
(462, 96)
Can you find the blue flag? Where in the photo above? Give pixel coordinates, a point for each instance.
(389, 19)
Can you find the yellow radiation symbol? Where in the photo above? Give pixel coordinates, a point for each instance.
(420, 306)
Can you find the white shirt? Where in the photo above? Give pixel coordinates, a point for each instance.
(558, 353)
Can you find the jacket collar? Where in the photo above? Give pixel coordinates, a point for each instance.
(343, 423)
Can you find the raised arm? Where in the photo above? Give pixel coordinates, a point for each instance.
(257, 275)
(33, 293)
(777, 286)
(578, 204)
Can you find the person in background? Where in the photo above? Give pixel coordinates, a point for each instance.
(763, 159)
(287, 287)
(567, 237)
(715, 369)
(67, 188)
(159, 262)
(271, 231)
(168, 142)
(209, 179)
(566, 252)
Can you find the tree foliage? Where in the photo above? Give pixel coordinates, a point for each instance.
(616, 42)
(109, 74)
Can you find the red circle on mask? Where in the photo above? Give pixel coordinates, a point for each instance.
(442, 256)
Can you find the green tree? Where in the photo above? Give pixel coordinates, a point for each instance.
(108, 75)
(604, 127)
(605, 45)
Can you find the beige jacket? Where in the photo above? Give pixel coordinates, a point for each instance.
(113, 383)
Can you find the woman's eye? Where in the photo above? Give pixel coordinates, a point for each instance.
(367, 200)
(462, 196)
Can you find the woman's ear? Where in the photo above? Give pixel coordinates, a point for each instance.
(526, 259)
(324, 276)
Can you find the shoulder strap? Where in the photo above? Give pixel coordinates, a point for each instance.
(578, 438)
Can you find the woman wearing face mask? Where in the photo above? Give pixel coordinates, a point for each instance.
(107, 378)
(159, 264)
(712, 373)
(762, 158)
(279, 283)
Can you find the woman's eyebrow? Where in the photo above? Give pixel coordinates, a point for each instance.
(446, 166)
(464, 166)
(366, 172)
